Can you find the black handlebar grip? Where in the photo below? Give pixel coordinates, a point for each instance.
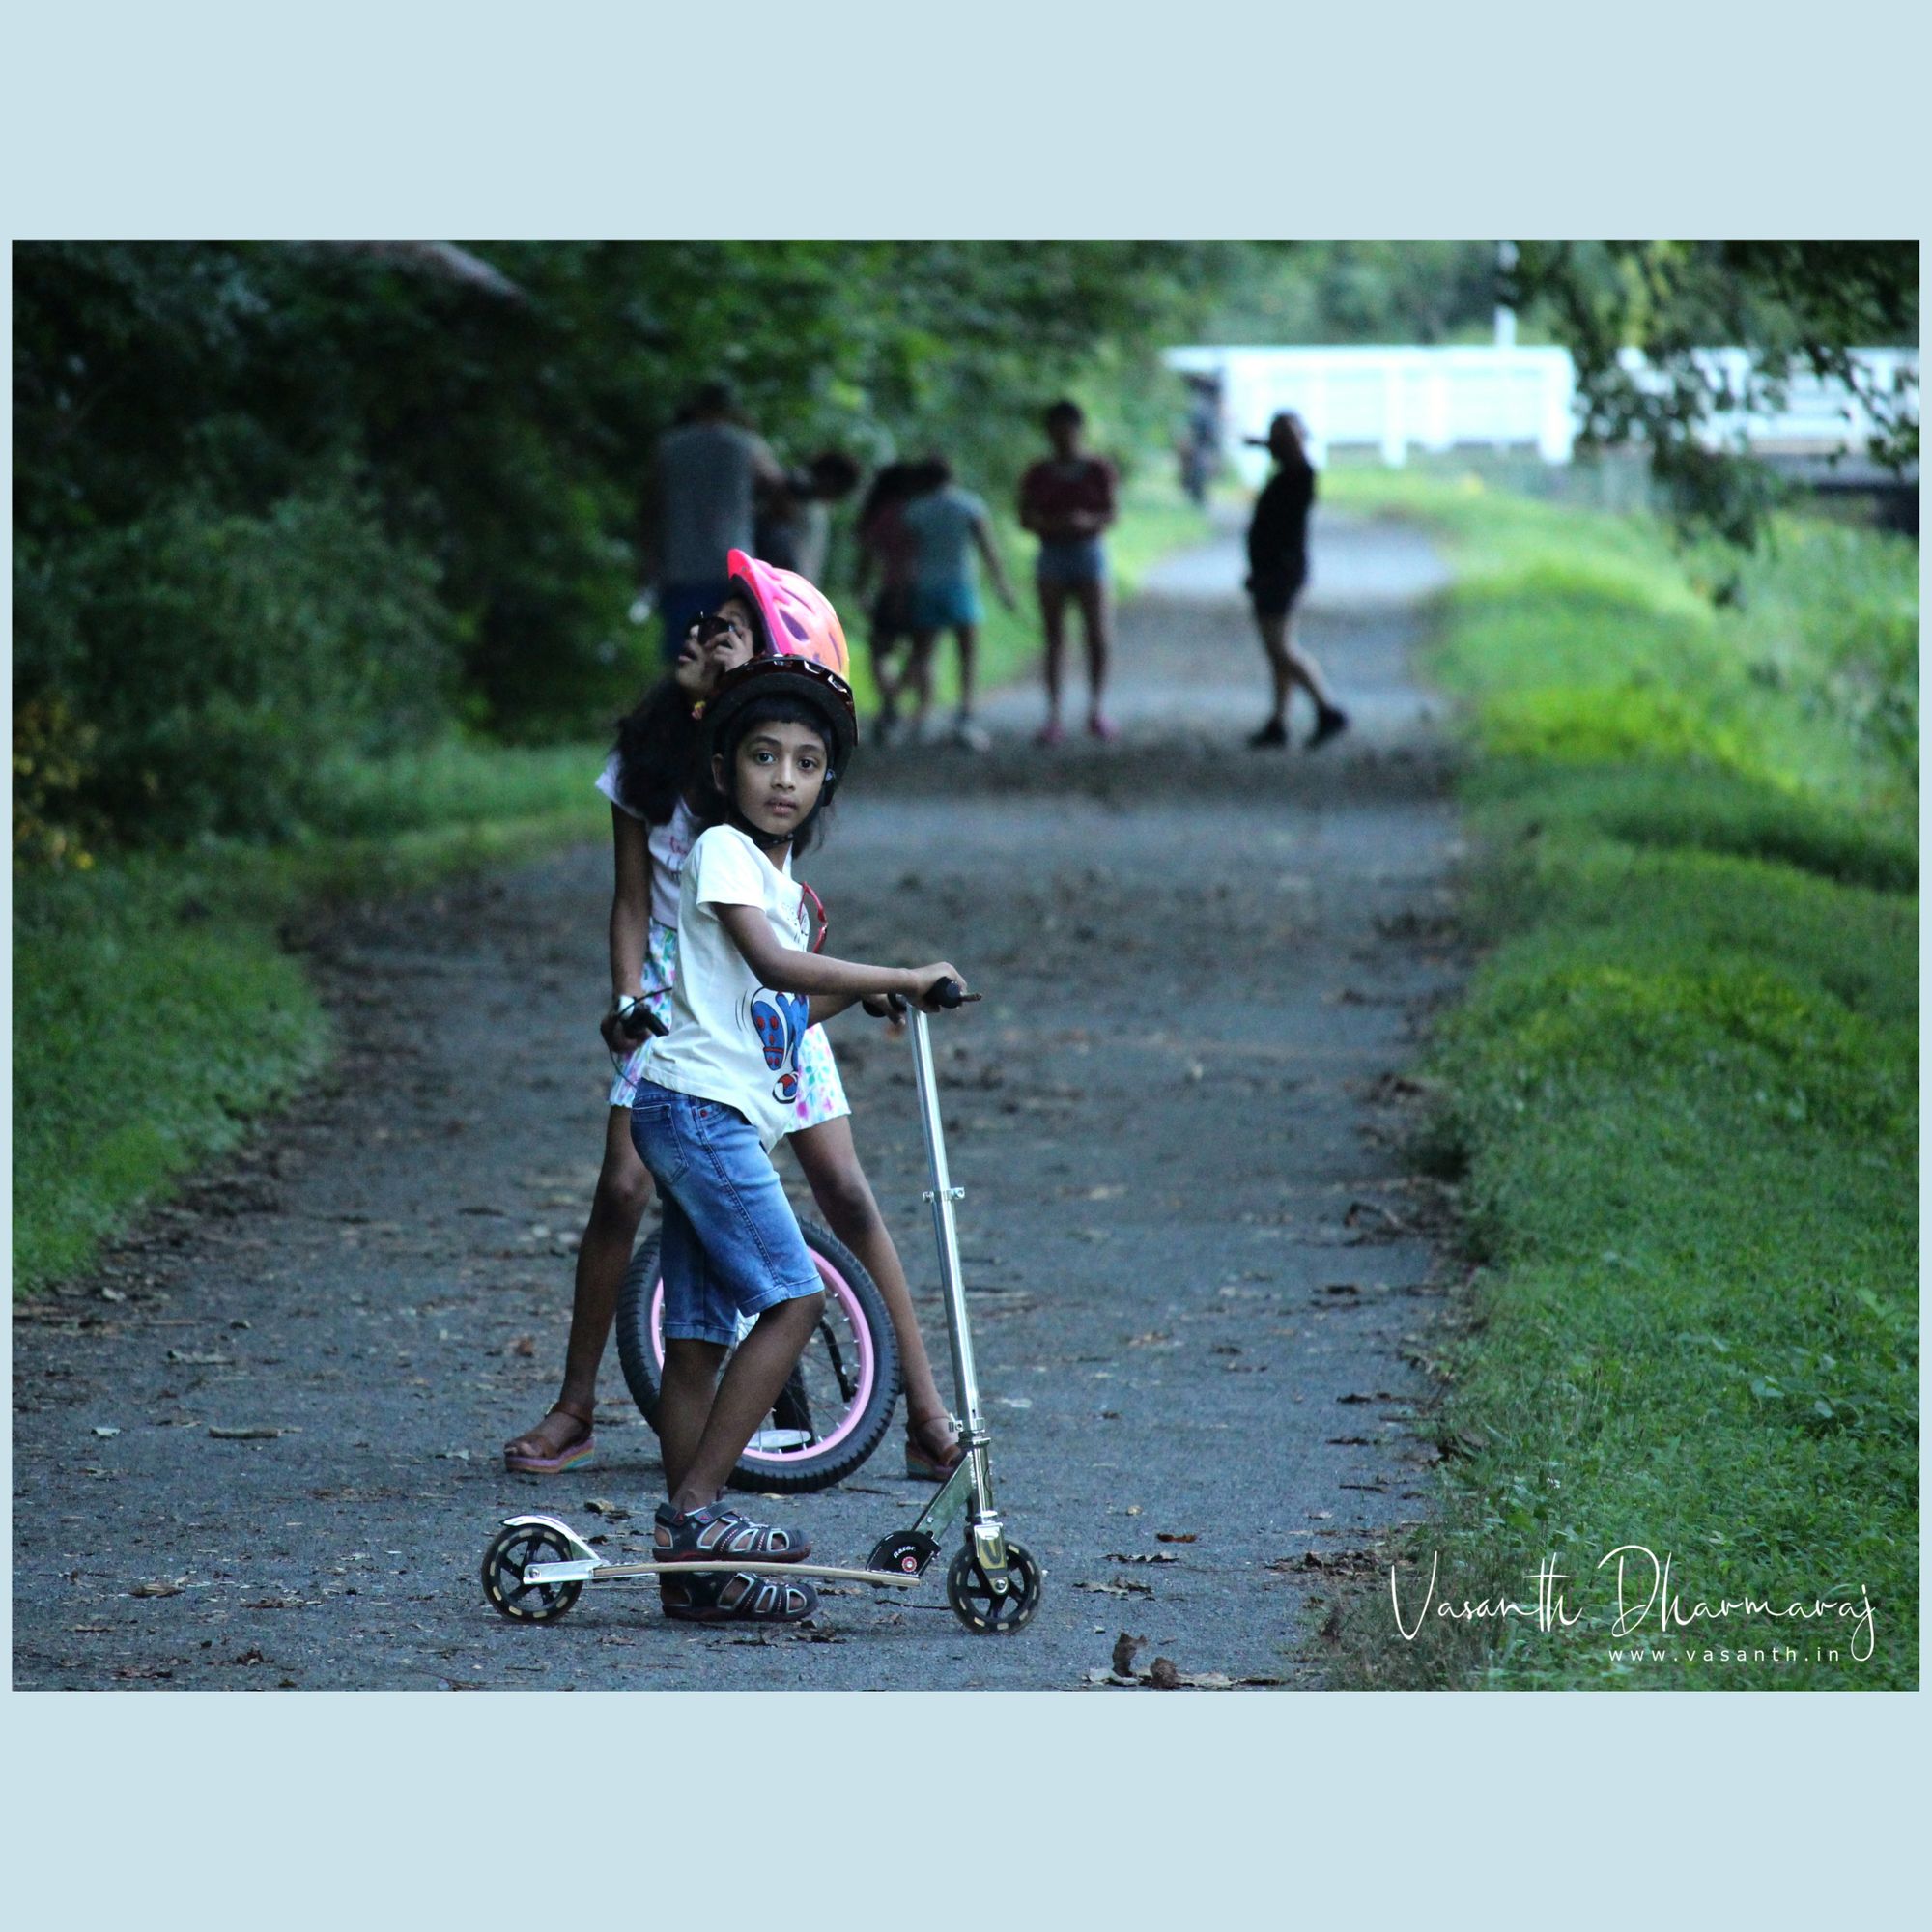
(950, 993)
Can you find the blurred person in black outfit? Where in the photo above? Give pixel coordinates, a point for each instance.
(1277, 571)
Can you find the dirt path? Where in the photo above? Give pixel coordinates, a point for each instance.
(1193, 1257)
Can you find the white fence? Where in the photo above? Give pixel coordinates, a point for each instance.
(1393, 400)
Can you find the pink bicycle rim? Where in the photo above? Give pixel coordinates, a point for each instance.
(836, 1286)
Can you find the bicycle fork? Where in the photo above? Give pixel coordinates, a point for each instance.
(969, 1491)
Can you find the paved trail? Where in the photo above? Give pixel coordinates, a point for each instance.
(1194, 1260)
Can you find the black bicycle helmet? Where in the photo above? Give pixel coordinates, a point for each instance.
(802, 679)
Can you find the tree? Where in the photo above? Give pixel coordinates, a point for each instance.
(1791, 304)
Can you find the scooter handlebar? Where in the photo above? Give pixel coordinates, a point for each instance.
(950, 993)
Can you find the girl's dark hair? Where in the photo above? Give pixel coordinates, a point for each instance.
(657, 743)
(891, 484)
(776, 709)
(1064, 411)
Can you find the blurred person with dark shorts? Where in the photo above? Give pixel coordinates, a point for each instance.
(1277, 572)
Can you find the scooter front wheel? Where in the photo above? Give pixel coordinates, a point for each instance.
(839, 1403)
(982, 1608)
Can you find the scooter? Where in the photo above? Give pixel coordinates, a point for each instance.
(536, 1567)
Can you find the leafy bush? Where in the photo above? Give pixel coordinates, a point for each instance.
(214, 661)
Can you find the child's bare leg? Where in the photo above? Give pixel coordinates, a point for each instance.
(743, 1399)
(684, 1401)
(968, 636)
(1303, 669)
(1275, 641)
(838, 1181)
(1095, 618)
(919, 676)
(1053, 622)
(616, 1209)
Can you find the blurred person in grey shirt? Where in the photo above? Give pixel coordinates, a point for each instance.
(709, 471)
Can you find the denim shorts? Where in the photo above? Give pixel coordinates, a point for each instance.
(1071, 560)
(942, 603)
(732, 1244)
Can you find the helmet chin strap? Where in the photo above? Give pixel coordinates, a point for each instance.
(765, 840)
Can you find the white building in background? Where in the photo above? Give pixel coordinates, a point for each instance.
(1393, 400)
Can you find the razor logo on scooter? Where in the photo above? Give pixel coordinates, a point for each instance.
(780, 1020)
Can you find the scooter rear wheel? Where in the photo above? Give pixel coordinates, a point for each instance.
(839, 1403)
(985, 1610)
(503, 1587)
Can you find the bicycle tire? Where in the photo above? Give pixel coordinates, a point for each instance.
(853, 1298)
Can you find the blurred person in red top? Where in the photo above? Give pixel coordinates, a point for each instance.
(888, 556)
(1067, 502)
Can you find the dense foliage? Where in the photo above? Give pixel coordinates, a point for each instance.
(280, 504)
(1795, 305)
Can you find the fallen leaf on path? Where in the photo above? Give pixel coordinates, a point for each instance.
(1143, 1557)
(452, 1455)
(1162, 1674)
(1124, 1648)
(252, 1434)
(159, 1587)
(1104, 1193)
(1176, 1536)
(524, 1345)
(601, 1506)
(1126, 1588)
(102, 1429)
(193, 1360)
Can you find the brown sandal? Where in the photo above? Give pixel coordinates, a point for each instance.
(574, 1454)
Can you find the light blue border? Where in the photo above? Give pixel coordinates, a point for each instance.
(1037, 121)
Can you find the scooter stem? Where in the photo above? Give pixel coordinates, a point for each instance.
(943, 1194)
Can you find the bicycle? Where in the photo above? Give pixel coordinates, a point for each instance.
(838, 1405)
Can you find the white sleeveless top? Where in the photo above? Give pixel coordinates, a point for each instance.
(671, 846)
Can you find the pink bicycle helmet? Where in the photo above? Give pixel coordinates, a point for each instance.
(799, 619)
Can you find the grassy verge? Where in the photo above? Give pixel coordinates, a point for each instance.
(1681, 1105)
(156, 1009)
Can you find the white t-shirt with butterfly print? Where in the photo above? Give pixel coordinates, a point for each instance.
(731, 1039)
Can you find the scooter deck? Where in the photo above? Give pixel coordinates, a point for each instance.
(576, 1571)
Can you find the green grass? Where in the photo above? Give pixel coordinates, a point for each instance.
(156, 1010)
(1680, 1101)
